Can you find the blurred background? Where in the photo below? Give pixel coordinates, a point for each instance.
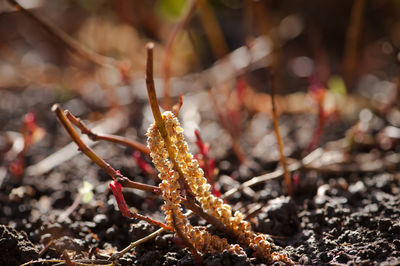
(328, 59)
(333, 67)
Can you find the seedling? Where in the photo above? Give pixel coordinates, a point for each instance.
(318, 93)
(327, 105)
(31, 133)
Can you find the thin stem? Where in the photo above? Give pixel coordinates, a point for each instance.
(237, 149)
(159, 121)
(177, 107)
(107, 137)
(70, 209)
(166, 64)
(92, 155)
(82, 146)
(116, 256)
(125, 182)
(149, 220)
(41, 252)
(151, 91)
(352, 40)
(262, 178)
(41, 262)
(286, 174)
(69, 42)
(212, 29)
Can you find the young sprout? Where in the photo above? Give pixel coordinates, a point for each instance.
(31, 133)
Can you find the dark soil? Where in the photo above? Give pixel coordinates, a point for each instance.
(338, 218)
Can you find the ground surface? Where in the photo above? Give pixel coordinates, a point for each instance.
(348, 217)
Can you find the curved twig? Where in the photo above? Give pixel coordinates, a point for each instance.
(69, 42)
(107, 137)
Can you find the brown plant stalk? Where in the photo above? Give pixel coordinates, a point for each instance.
(212, 29)
(69, 42)
(286, 174)
(159, 121)
(107, 137)
(352, 41)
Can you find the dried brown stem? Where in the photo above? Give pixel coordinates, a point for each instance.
(82, 146)
(69, 42)
(70, 209)
(166, 64)
(352, 40)
(116, 256)
(286, 174)
(212, 29)
(149, 220)
(91, 154)
(42, 251)
(260, 179)
(237, 149)
(107, 137)
(125, 182)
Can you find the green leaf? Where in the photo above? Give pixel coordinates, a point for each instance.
(170, 9)
(337, 86)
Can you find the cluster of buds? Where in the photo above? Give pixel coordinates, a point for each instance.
(201, 239)
(197, 184)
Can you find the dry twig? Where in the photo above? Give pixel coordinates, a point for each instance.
(117, 255)
(107, 137)
(352, 40)
(69, 42)
(286, 174)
